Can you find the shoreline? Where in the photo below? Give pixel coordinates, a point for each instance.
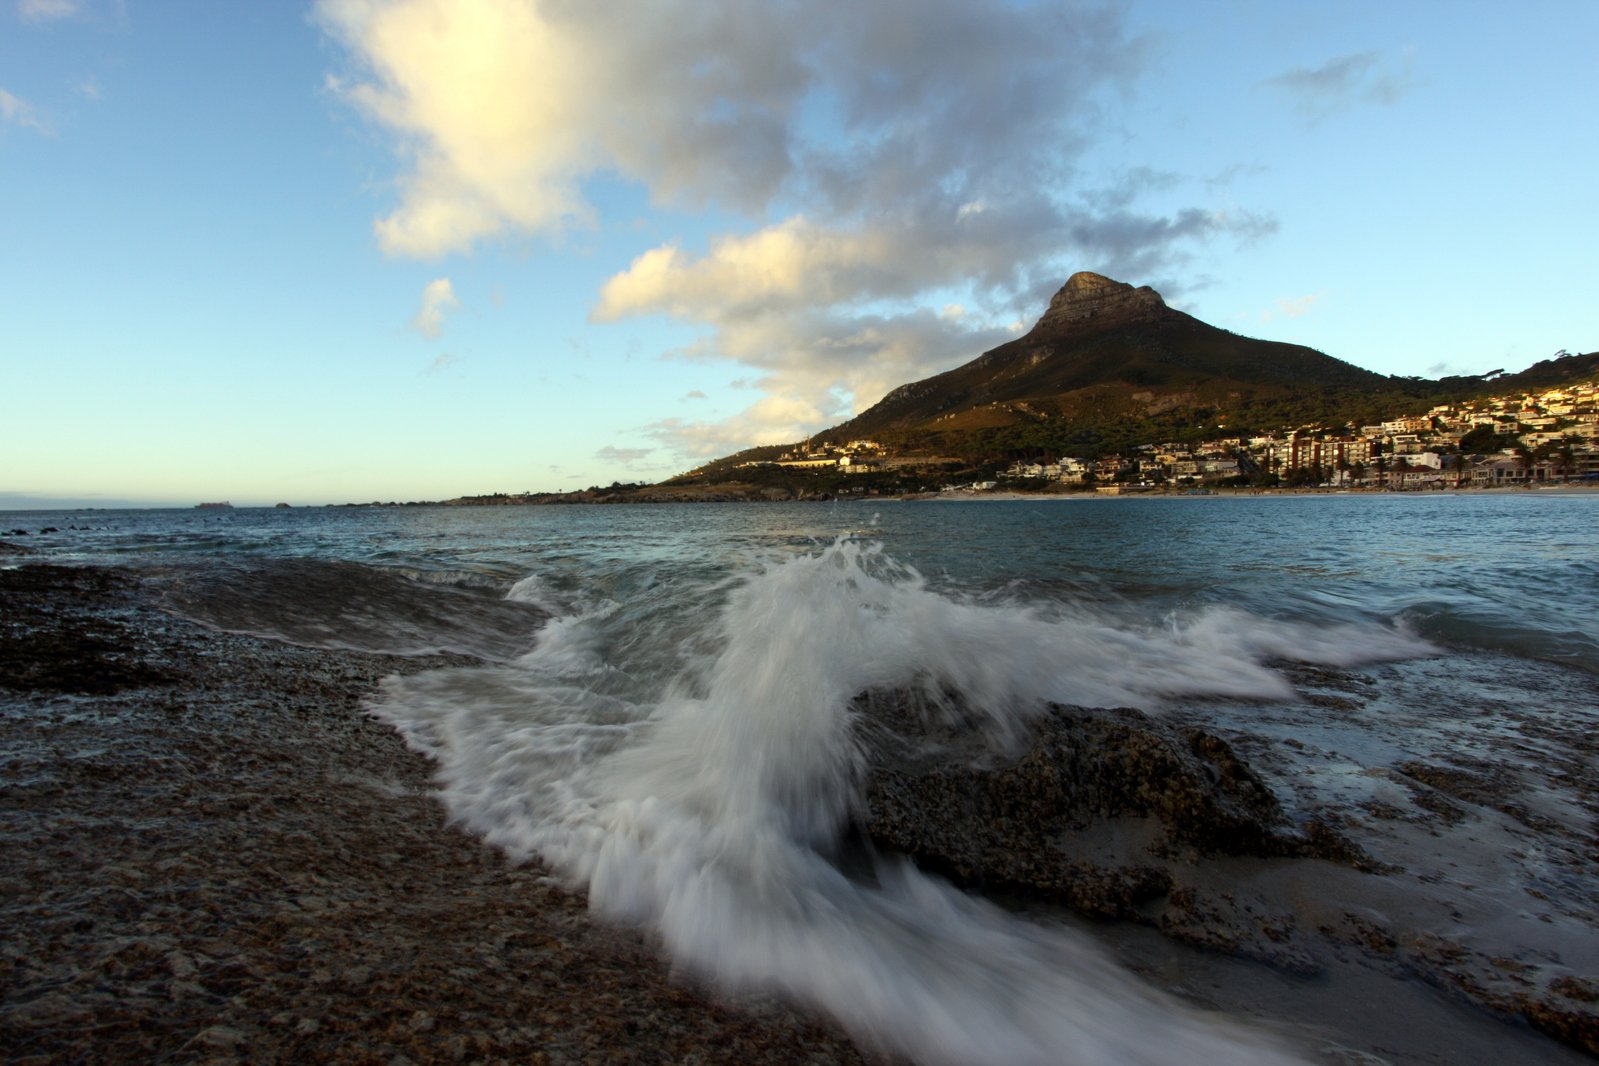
(211, 853)
(12, 536)
(1011, 496)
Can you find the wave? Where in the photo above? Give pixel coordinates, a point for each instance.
(709, 804)
(353, 606)
(1524, 634)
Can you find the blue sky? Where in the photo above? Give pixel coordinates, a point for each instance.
(409, 249)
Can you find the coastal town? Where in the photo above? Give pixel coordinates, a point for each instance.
(1524, 439)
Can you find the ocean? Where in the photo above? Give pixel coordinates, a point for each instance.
(661, 708)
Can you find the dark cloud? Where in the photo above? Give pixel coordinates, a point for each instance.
(1344, 81)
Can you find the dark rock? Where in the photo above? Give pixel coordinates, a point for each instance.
(1107, 812)
(949, 791)
(1089, 298)
(44, 649)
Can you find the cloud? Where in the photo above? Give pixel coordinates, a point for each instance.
(1291, 307)
(19, 112)
(817, 368)
(440, 364)
(874, 162)
(1344, 81)
(438, 300)
(47, 10)
(622, 456)
(501, 108)
(695, 394)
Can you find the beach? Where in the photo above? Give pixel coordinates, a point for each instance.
(1235, 494)
(210, 853)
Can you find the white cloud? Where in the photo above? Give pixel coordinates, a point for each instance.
(501, 108)
(625, 457)
(438, 300)
(817, 368)
(19, 112)
(881, 161)
(47, 10)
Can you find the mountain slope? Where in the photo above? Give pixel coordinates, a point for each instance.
(1104, 344)
(1109, 367)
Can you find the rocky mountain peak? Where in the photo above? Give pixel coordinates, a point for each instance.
(1093, 299)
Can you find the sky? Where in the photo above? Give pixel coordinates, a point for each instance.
(360, 250)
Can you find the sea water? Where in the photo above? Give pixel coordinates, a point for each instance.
(660, 706)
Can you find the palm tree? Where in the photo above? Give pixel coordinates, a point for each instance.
(1566, 454)
(1524, 459)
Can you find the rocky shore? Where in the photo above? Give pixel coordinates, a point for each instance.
(1115, 814)
(208, 853)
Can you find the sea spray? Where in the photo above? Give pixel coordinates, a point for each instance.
(708, 806)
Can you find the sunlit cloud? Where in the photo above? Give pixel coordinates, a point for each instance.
(816, 369)
(438, 300)
(878, 161)
(1344, 81)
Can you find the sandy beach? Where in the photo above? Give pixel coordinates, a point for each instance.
(208, 853)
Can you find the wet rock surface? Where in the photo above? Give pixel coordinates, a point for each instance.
(208, 853)
(1121, 815)
(1104, 811)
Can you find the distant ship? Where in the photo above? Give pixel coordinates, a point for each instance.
(222, 506)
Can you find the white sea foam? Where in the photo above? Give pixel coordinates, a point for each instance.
(535, 590)
(705, 806)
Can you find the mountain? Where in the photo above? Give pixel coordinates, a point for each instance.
(1109, 366)
(1106, 351)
